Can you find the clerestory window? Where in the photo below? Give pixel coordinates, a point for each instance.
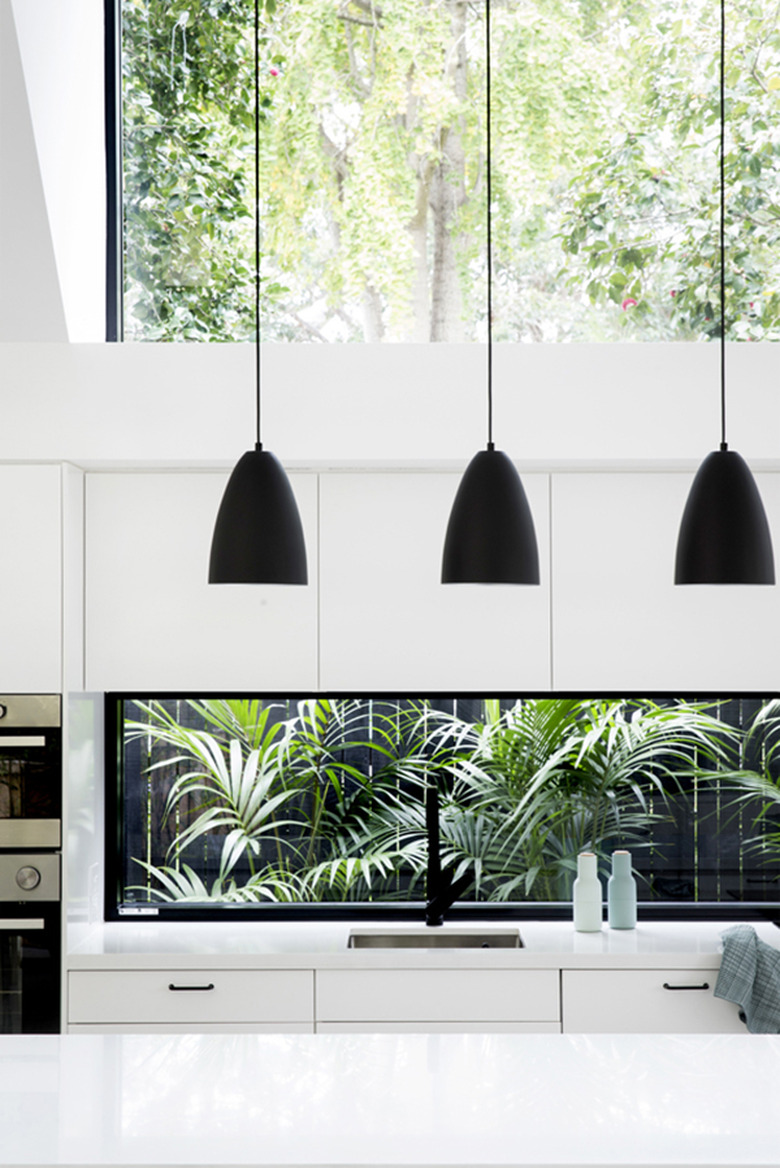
(373, 162)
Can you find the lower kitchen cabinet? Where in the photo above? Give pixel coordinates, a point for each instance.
(646, 1001)
(191, 999)
(393, 999)
(407, 1000)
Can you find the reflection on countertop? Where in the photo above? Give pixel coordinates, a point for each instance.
(412, 1099)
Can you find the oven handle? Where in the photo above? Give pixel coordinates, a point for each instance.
(9, 924)
(7, 740)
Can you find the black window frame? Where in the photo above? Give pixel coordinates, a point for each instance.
(112, 73)
(408, 911)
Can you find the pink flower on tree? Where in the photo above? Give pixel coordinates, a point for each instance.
(629, 302)
(274, 72)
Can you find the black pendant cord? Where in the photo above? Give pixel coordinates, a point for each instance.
(488, 142)
(258, 444)
(723, 444)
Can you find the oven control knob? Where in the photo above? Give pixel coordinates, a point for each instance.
(28, 878)
(3, 710)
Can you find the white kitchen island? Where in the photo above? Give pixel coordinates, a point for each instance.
(389, 1099)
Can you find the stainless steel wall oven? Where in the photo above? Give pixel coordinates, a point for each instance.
(30, 841)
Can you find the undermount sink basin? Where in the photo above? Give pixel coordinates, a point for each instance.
(435, 938)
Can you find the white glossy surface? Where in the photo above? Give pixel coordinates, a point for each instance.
(323, 945)
(484, 1099)
(30, 593)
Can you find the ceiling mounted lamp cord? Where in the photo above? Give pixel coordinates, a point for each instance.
(490, 535)
(258, 536)
(724, 535)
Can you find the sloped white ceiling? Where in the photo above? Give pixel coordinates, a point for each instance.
(31, 306)
(61, 51)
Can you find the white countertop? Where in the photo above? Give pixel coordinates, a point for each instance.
(422, 1099)
(323, 945)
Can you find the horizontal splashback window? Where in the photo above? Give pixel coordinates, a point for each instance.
(264, 804)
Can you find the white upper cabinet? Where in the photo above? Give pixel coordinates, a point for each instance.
(619, 621)
(386, 620)
(30, 581)
(153, 621)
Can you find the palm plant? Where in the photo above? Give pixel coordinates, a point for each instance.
(324, 800)
(756, 790)
(549, 778)
(291, 783)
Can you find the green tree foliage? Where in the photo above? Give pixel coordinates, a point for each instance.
(372, 175)
(642, 228)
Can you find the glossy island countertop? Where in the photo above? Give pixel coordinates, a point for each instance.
(370, 1099)
(324, 945)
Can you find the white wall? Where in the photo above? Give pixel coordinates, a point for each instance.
(189, 405)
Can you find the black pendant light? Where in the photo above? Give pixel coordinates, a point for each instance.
(490, 535)
(258, 537)
(724, 535)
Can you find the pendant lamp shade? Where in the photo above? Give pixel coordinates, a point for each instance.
(724, 535)
(258, 537)
(490, 536)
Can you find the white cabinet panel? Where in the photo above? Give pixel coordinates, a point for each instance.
(193, 1028)
(202, 996)
(437, 995)
(388, 623)
(154, 622)
(31, 579)
(652, 1001)
(438, 1027)
(619, 621)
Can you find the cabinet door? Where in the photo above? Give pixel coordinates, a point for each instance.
(647, 1001)
(189, 996)
(387, 621)
(619, 621)
(437, 995)
(30, 582)
(153, 620)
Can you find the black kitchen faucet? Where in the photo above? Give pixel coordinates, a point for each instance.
(440, 889)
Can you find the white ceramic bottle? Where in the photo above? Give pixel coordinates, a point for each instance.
(621, 893)
(587, 894)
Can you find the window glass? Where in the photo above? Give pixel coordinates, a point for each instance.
(263, 802)
(605, 166)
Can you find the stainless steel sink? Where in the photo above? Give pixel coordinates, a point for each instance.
(435, 938)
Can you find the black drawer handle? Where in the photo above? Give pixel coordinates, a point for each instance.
(190, 989)
(705, 985)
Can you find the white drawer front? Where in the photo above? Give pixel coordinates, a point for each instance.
(144, 995)
(192, 1028)
(437, 995)
(639, 1002)
(437, 1028)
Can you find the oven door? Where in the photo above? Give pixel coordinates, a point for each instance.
(30, 771)
(30, 968)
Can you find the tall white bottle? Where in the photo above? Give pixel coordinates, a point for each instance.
(587, 894)
(621, 893)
